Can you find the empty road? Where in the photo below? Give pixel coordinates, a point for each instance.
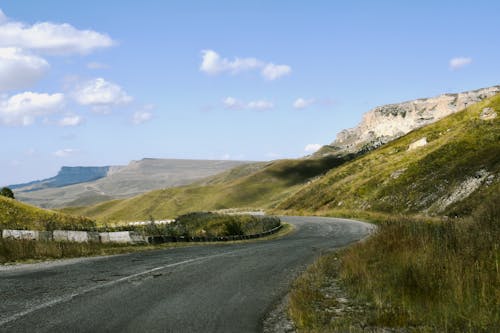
(212, 288)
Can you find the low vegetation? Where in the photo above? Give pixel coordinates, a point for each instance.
(413, 274)
(204, 224)
(23, 250)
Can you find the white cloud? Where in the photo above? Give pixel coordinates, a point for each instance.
(70, 120)
(260, 105)
(272, 71)
(101, 94)
(51, 38)
(232, 103)
(64, 152)
(312, 147)
(235, 104)
(212, 63)
(22, 109)
(19, 69)
(96, 65)
(459, 62)
(301, 103)
(141, 117)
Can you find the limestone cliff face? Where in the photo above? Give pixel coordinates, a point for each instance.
(385, 123)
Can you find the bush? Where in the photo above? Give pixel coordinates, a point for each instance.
(7, 192)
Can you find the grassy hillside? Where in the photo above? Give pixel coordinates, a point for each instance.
(18, 215)
(254, 186)
(462, 155)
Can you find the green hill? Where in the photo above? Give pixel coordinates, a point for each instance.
(451, 174)
(18, 215)
(261, 185)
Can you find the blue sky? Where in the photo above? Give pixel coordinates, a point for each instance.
(106, 82)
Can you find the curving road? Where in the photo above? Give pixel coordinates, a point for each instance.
(214, 288)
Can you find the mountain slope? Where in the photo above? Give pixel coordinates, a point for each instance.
(18, 215)
(117, 181)
(260, 185)
(443, 168)
(388, 122)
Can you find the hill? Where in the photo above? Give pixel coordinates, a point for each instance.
(444, 168)
(388, 122)
(261, 185)
(18, 215)
(89, 185)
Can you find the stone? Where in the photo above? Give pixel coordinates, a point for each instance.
(417, 144)
(488, 114)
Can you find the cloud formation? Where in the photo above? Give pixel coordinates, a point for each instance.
(23, 109)
(140, 117)
(272, 71)
(212, 64)
(459, 62)
(100, 94)
(70, 120)
(301, 103)
(19, 69)
(312, 148)
(51, 38)
(232, 103)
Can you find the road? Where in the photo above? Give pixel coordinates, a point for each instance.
(211, 288)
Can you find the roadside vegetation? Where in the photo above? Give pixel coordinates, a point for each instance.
(413, 274)
(208, 225)
(29, 250)
(203, 224)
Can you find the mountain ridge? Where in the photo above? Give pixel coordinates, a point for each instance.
(111, 182)
(385, 123)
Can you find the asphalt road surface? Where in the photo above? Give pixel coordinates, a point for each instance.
(211, 288)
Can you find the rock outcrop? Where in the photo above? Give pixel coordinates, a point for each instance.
(388, 122)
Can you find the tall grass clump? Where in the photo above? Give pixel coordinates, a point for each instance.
(441, 276)
(20, 250)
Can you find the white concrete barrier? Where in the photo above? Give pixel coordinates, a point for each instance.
(20, 234)
(121, 237)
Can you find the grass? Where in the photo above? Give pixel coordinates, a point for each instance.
(18, 215)
(423, 276)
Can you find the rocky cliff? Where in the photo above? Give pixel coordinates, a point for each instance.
(66, 176)
(386, 123)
